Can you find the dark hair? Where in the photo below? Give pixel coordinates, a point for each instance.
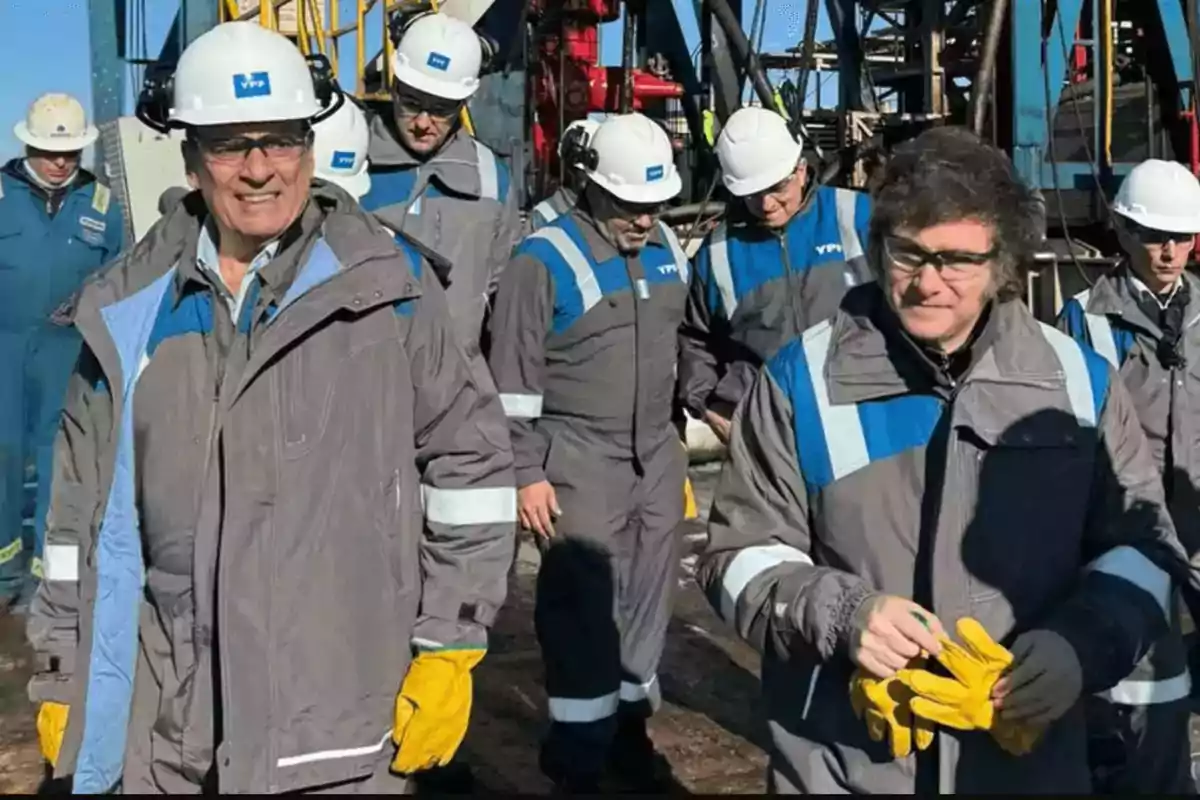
(949, 174)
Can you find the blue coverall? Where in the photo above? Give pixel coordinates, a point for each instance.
(50, 241)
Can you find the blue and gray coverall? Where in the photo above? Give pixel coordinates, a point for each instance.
(51, 240)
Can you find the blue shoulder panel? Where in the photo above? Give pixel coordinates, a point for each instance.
(406, 307)
(389, 187)
(1072, 316)
(875, 430)
(754, 259)
(193, 314)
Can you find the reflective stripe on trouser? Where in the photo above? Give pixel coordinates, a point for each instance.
(1139, 749)
(14, 446)
(604, 590)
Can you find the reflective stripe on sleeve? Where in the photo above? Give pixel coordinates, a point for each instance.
(1128, 563)
(1150, 693)
(488, 506)
(331, 755)
(522, 406)
(747, 565)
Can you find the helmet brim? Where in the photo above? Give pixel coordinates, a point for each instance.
(58, 144)
(447, 90)
(657, 192)
(1161, 222)
(785, 165)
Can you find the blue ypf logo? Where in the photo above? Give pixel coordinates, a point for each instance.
(438, 61)
(342, 159)
(254, 84)
(655, 173)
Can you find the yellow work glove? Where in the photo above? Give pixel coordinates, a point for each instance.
(689, 500)
(433, 709)
(884, 704)
(965, 701)
(51, 725)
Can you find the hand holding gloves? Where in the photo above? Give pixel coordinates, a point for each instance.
(884, 704)
(908, 705)
(965, 702)
(433, 709)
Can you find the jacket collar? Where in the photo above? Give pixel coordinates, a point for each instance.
(1116, 295)
(455, 165)
(871, 358)
(596, 246)
(368, 275)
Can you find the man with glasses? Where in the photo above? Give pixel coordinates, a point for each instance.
(584, 351)
(1141, 317)
(932, 460)
(58, 224)
(780, 262)
(282, 510)
(431, 179)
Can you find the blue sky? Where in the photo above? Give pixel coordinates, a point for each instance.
(46, 47)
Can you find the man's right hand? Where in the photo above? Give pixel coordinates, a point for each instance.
(720, 426)
(888, 631)
(538, 507)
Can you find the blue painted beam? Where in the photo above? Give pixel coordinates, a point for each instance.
(193, 18)
(196, 17)
(1030, 78)
(1171, 13)
(106, 23)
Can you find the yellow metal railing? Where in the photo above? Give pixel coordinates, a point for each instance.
(319, 29)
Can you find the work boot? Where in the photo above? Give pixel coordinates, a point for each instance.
(565, 779)
(636, 765)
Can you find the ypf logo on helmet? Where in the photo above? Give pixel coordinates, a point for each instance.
(255, 84)
(238, 73)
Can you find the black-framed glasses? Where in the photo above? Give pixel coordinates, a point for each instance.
(1152, 236)
(628, 210)
(907, 257)
(275, 146)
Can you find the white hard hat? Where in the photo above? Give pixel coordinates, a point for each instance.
(635, 161)
(439, 55)
(756, 150)
(56, 123)
(587, 125)
(1163, 195)
(242, 72)
(340, 149)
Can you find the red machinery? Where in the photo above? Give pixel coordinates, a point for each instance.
(567, 82)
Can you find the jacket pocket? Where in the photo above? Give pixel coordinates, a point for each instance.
(1030, 484)
(308, 377)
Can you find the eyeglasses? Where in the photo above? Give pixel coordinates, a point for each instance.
(1153, 236)
(276, 147)
(411, 103)
(907, 257)
(627, 210)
